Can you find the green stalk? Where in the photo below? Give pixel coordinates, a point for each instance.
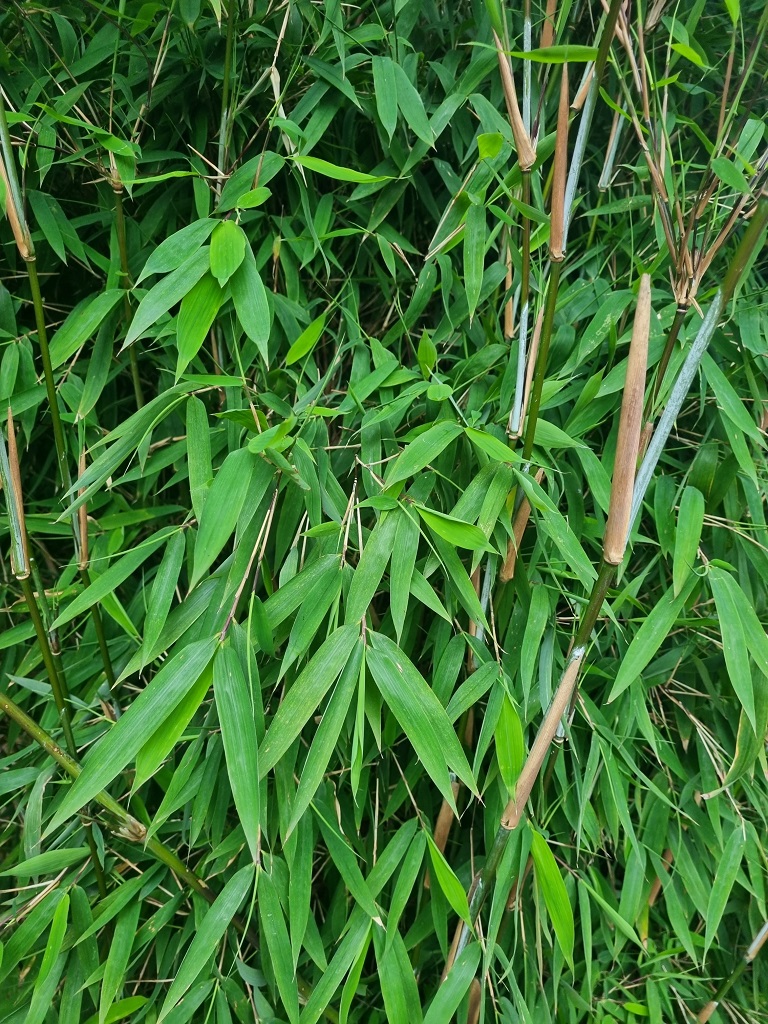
(224, 122)
(59, 696)
(541, 359)
(98, 625)
(515, 419)
(755, 946)
(122, 245)
(680, 314)
(50, 387)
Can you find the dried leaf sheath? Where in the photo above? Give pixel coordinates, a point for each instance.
(630, 422)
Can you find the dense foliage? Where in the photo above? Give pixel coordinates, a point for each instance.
(264, 270)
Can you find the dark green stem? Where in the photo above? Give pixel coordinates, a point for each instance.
(122, 245)
(50, 387)
(224, 123)
(726, 985)
(680, 314)
(98, 625)
(59, 696)
(541, 358)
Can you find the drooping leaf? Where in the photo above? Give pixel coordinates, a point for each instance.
(420, 714)
(124, 739)
(208, 936)
(553, 890)
(234, 704)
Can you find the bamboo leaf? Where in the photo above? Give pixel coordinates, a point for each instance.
(690, 519)
(304, 696)
(452, 888)
(370, 568)
(228, 244)
(420, 714)
(385, 88)
(198, 311)
(208, 936)
(119, 746)
(555, 896)
(166, 293)
(238, 732)
(251, 304)
(734, 640)
(306, 341)
(650, 636)
(275, 935)
(727, 870)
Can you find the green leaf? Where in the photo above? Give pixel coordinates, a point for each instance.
(734, 640)
(422, 451)
(404, 551)
(120, 1010)
(255, 197)
(81, 324)
(198, 311)
(304, 696)
(489, 145)
(420, 714)
(327, 736)
(251, 304)
(329, 170)
(455, 987)
(306, 341)
(556, 527)
(207, 936)
(689, 53)
(51, 967)
(198, 453)
(426, 354)
(370, 569)
(223, 507)
(228, 244)
(113, 577)
(730, 175)
(555, 896)
(451, 887)
(320, 600)
(177, 248)
(568, 54)
(234, 704)
(166, 293)
(161, 742)
(412, 106)
(117, 959)
(650, 636)
(119, 746)
(690, 519)
(727, 869)
(474, 254)
(385, 90)
(732, 405)
(491, 445)
(161, 594)
(455, 531)
(47, 863)
(510, 746)
(750, 743)
(275, 935)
